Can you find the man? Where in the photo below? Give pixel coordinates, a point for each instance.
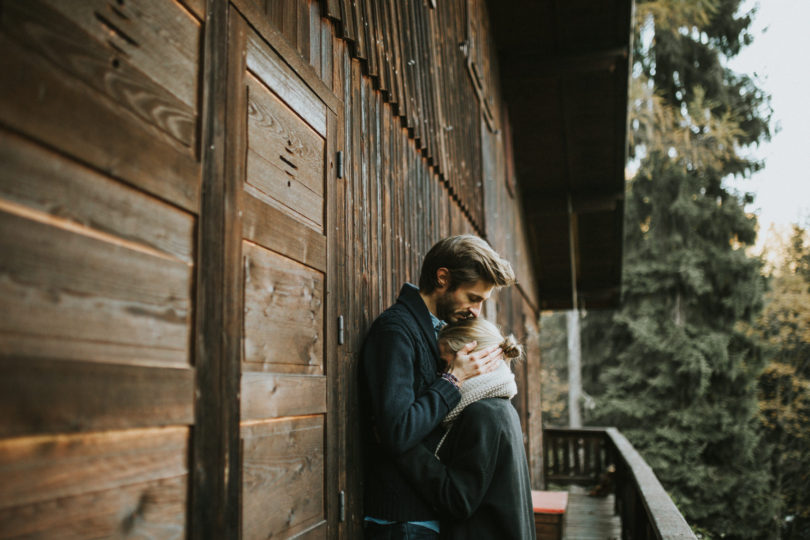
(404, 391)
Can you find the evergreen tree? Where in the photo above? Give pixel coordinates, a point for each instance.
(553, 373)
(673, 368)
(784, 386)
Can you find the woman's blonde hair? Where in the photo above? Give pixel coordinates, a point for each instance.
(456, 335)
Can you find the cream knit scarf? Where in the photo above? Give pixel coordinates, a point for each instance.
(498, 383)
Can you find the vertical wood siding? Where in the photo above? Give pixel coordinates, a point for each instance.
(177, 248)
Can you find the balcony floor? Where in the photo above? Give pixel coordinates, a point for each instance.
(590, 518)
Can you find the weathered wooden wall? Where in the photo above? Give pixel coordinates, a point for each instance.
(177, 246)
(99, 194)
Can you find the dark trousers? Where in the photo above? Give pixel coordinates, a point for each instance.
(398, 531)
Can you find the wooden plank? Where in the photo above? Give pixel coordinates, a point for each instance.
(74, 294)
(392, 35)
(216, 479)
(360, 44)
(386, 240)
(373, 196)
(273, 11)
(303, 32)
(273, 395)
(394, 219)
(590, 518)
(154, 509)
(49, 183)
(400, 62)
(369, 28)
(283, 313)
(425, 79)
(409, 66)
(347, 21)
(383, 84)
(365, 209)
(348, 458)
(47, 396)
(196, 7)
(315, 36)
(338, 305)
(387, 50)
(436, 74)
(43, 468)
(400, 206)
(328, 56)
(38, 100)
(333, 9)
(289, 454)
(105, 69)
(330, 361)
(281, 79)
(408, 208)
(358, 308)
(285, 157)
(159, 38)
(273, 229)
(358, 200)
(287, 22)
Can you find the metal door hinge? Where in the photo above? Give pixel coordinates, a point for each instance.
(339, 160)
(341, 336)
(342, 506)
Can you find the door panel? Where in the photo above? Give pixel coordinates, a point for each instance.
(284, 402)
(283, 473)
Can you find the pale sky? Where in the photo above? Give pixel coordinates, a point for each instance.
(780, 57)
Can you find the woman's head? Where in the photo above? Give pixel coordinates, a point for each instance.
(455, 336)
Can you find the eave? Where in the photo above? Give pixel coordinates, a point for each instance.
(564, 69)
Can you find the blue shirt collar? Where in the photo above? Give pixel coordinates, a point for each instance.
(437, 323)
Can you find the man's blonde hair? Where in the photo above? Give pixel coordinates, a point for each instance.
(468, 258)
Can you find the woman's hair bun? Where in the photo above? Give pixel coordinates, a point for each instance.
(510, 347)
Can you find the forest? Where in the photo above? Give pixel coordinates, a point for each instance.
(704, 366)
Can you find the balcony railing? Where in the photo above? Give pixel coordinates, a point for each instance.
(604, 457)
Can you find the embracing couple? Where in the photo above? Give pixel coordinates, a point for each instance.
(443, 448)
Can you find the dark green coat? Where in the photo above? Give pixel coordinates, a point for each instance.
(481, 485)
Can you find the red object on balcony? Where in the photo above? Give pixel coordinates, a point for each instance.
(549, 513)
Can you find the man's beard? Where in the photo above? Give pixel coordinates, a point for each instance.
(445, 309)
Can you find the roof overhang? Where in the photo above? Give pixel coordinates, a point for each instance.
(564, 67)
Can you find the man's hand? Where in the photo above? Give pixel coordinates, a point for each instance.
(466, 364)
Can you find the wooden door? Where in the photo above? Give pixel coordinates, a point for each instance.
(284, 135)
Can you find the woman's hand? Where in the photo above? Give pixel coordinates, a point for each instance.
(468, 364)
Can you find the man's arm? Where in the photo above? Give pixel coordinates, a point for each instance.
(458, 486)
(401, 418)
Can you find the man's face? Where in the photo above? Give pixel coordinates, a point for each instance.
(463, 303)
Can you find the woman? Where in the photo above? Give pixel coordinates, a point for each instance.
(477, 474)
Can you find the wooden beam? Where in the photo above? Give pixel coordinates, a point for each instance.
(216, 472)
(582, 202)
(540, 65)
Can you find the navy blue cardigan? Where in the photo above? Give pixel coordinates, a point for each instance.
(402, 401)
